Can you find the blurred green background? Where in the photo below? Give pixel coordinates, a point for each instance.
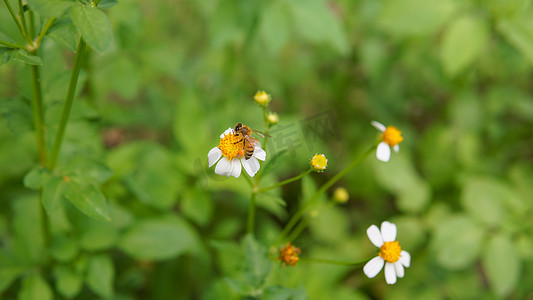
(454, 76)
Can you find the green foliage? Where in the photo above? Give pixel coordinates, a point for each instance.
(131, 209)
(159, 239)
(93, 25)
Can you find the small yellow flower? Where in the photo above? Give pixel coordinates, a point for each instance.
(391, 137)
(341, 195)
(390, 255)
(273, 118)
(288, 255)
(319, 162)
(262, 98)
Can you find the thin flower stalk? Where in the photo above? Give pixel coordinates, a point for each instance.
(303, 209)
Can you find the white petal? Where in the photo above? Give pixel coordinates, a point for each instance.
(399, 269)
(405, 258)
(372, 268)
(388, 230)
(228, 131)
(375, 236)
(213, 156)
(250, 165)
(378, 126)
(396, 148)
(235, 168)
(259, 153)
(383, 152)
(223, 167)
(390, 273)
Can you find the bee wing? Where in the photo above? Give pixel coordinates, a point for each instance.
(261, 134)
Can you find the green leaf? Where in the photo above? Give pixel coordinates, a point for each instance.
(315, 21)
(10, 270)
(257, 264)
(464, 41)
(198, 206)
(94, 26)
(24, 57)
(483, 198)
(97, 235)
(275, 20)
(35, 178)
(17, 114)
(519, 32)
(457, 242)
(278, 292)
(87, 198)
(68, 282)
(86, 167)
(155, 181)
(64, 248)
(5, 55)
(502, 263)
(64, 33)
(28, 243)
(100, 275)
(50, 8)
(227, 254)
(53, 191)
(159, 239)
(34, 287)
(107, 3)
(414, 17)
(412, 191)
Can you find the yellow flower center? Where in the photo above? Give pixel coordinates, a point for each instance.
(231, 146)
(319, 162)
(289, 255)
(390, 251)
(392, 136)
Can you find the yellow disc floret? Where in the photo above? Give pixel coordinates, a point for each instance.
(288, 255)
(390, 251)
(231, 146)
(392, 136)
(262, 98)
(319, 162)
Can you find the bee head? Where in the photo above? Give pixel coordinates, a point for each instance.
(238, 127)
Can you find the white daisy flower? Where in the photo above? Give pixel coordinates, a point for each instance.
(231, 150)
(390, 138)
(390, 254)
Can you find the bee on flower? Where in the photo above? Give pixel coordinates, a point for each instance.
(236, 149)
(390, 253)
(391, 137)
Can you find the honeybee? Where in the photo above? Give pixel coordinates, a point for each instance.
(248, 142)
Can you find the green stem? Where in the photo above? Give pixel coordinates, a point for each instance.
(320, 191)
(44, 222)
(68, 104)
(17, 22)
(44, 31)
(251, 214)
(332, 261)
(303, 223)
(285, 181)
(11, 45)
(249, 181)
(38, 112)
(21, 16)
